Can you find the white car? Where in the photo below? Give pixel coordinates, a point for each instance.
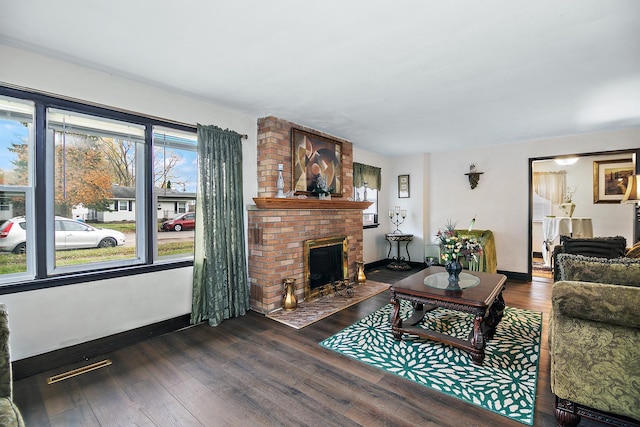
(70, 234)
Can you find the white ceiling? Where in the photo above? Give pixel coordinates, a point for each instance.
(395, 77)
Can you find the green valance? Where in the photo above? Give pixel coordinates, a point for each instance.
(369, 174)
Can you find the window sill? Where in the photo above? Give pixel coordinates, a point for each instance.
(371, 226)
(72, 279)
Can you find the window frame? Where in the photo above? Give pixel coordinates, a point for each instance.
(38, 274)
(141, 219)
(376, 204)
(541, 208)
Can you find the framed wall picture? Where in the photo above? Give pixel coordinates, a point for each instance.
(610, 179)
(403, 186)
(317, 163)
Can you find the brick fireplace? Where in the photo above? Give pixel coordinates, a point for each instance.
(279, 227)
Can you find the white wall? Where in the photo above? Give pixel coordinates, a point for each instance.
(53, 318)
(440, 192)
(376, 246)
(500, 201)
(417, 211)
(59, 317)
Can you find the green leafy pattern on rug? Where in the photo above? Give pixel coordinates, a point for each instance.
(504, 384)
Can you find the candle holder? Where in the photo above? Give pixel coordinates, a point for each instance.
(397, 217)
(280, 183)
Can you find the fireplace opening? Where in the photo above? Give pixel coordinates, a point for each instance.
(325, 261)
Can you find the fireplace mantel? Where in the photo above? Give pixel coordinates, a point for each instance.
(309, 203)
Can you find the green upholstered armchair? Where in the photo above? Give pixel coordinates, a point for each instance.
(9, 413)
(594, 339)
(488, 262)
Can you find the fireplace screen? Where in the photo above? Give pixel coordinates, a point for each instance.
(325, 261)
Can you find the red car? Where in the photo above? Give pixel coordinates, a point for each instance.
(185, 221)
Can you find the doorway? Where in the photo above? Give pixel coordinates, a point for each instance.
(551, 181)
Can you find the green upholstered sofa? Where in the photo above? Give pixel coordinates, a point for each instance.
(9, 413)
(594, 339)
(601, 247)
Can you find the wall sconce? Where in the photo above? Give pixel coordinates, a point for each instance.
(474, 177)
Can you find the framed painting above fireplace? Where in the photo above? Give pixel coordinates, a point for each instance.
(317, 163)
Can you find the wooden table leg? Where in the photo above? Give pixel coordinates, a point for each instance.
(484, 328)
(477, 341)
(496, 311)
(396, 321)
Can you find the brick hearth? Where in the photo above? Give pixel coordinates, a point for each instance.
(276, 235)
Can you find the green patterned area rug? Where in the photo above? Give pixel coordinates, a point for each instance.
(504, 384)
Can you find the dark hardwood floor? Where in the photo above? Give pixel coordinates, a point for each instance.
(252, 371)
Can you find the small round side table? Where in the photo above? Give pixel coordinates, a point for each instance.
(398, 262)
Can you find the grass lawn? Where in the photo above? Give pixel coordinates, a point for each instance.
(16, 263)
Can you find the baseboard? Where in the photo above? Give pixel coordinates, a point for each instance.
(376, 264)
(80, 352)
(384, 262)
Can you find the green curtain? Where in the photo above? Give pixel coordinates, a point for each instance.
(369, 174)
(220, 285)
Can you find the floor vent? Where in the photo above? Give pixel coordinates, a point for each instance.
(79, 371)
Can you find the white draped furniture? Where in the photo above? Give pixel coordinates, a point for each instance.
(554, 227)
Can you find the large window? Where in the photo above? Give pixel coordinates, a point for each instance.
(365, 194)
(84, 189)
(16, 188)
(367, 181)
(175, 161)
(93, 159)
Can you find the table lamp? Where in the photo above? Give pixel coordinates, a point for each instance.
(632, 194)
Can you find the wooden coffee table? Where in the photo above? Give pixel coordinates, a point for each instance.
(477, 293)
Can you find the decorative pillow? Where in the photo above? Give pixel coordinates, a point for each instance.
(616, 271)
(602, 247)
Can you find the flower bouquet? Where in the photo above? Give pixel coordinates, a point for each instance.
(454, 246)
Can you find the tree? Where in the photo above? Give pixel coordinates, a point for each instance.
(164, 163)
(20, 173)
(121, 155)
(81, 176)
